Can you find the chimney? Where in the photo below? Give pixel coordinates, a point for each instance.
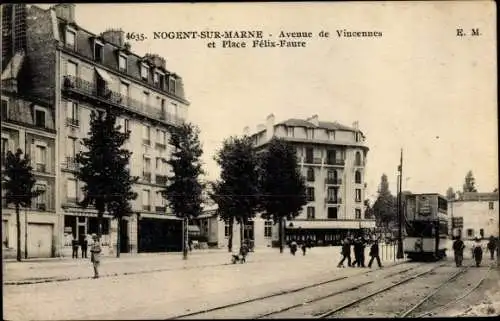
(355, 125)
(313, 119)
(156, 60)
(246, 131)
(270, 126)
(114, 36)
(65, 11)
(261, 127)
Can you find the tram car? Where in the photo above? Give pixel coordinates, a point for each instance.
(426, 226)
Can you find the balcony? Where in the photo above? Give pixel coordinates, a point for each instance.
(41, 168)
(337, 162)
(161, 179)
(146, 208)
(72, 122)
(146, 176)
(331, 200)
(333, 181)
(41, 206)
(161, 146)
(103, 94)
(160, 209)
(71, 164)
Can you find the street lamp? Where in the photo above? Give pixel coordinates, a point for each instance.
(399, 212)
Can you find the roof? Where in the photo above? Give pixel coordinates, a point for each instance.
(322, 124)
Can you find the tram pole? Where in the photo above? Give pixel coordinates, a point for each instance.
(399, 212)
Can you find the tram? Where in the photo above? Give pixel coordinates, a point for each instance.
(426, 226)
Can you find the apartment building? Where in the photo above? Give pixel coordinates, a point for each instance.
(332, 157)
(78, 71)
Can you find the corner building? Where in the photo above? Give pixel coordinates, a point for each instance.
(332, 158)
(77, 71)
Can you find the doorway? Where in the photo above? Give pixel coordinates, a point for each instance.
(124, 239)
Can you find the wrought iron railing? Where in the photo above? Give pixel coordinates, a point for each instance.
(333, 181)
(41, 168)
(331, 200)
(334, 162)
(71, 163)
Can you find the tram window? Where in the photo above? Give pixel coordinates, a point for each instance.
(442, 204)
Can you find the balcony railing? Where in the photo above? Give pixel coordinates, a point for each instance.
(71, 164)
(334, 162)
(72, 122)
(41, 206)
(146, 208)
(330, 200)
(333, 181)
(161, 179)
(91, 89)
(160, 146)
(146, 176)
(160, 209)
(42, 168)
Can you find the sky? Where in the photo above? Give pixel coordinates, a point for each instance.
(419, 87)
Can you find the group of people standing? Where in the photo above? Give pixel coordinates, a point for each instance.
(359, 244)
(476, 249)
(82, 243)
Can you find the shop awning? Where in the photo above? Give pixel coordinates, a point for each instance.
(331, 224)
(104, 75)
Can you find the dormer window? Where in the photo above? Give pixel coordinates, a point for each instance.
(70, 39)
(331, 135)
(39, 117)
(98, 51)
(156, 78)
(122, 62)
(171, 84)
(144, 71)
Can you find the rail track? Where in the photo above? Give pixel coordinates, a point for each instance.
(285, 292)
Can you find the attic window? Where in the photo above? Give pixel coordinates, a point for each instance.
(98, 51)
(122, 62)
(144, 71)
(70, 38)
(171, 84)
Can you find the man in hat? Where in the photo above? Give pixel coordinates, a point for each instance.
(95, 255)
(477, 251)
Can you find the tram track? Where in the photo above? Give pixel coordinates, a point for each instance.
(296, 290)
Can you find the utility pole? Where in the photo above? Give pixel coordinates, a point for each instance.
(25, 233)
(399, 212)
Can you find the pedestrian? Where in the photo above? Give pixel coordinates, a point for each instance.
(190, 244)
(84, 245)
(477, 251)
(492, 245)
(293, 247)
(95, 255)
(458, 250)
(346, 253)
(374, 253)
(357, 250)
(362, 251)
(74, 245)
(304, 247)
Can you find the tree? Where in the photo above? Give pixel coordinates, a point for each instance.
(385, 206)
(19, 181)
(283, 188)
(450, 194)
(236, 192)
(184, 189)
(368, 210)
(469, 183)
(104, 168)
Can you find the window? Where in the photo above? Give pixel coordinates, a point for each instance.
(291, 131)
(5, 234)
(70, 39)
(481, 233)
(39, 118)
(358, 159)
(310, 175)
(358, 195)
(357, 213)
(126, 125)
(71, 147)
(310, 133)
(268, 229)
(124, 90)
(146, 135)
(41, 202)
(72, 113)
(311, 213)
(309, 155)
(175, 109)
(332, 213)
(122, 63)
(226, 230)
(470, 232)
(331, 135)
(171, 84)
(71, 69)
(41, 158)
(491, 205)
(310, 194)
(162, 106)
(98, 52)
(331, 194)
(147, 164)
(145, 98)
(357, 177)
(5, 109)
(146, 200)
(144, 72)
(71, 190)
(5, 148)
(161, 137)
(159, 165)
(156, 78)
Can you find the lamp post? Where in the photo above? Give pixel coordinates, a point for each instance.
(399, 212)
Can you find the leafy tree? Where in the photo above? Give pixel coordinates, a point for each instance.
(368, 209)
(236, 193)
(450, 194)
(385, 206)
(184, 189)
(104, 168)
(469, 183)
(282, 185)
(18, 182)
